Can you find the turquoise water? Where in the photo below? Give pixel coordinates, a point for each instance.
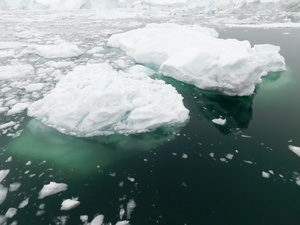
(201, 174)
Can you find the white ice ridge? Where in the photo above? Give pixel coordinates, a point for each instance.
(195, 55)
(95, 100)
(52, 188)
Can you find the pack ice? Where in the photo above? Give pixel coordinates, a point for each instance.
(95, 99)
(195, 55)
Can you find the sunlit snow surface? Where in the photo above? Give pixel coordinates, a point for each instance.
(120, 178)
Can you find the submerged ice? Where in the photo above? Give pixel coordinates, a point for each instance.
(195, 55)
(95, 99)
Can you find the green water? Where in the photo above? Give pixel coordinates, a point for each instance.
(201, 174)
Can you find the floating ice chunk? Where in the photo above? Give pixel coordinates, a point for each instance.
(51, 189)
(219, 121)
(23, 203)
(195, 55)
(121, 213)
(95, 50)
(3, 174)
(16, 71)
(84, 218)
(63, 50)
(95, 99)
(69, 204)
(14, 186)
(17, 108)
(3, 109)
(28, 163)
(130, 207)
(98, 220)
(124, 222)
(34, 87)
(3, 193)
(9, 159)
(295, 149)
(40, 212)
(7, 125)
(265, 174)
(11, 212)
(229, 156)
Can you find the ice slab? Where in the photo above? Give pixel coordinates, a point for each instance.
(97, 100)
(51, 189)
(69, 204)
(195, 55)
(98, 220)
(17, 108)
(3, 193)
(16, 71)
(219, 121)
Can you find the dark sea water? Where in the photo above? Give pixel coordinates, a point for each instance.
(201, 174)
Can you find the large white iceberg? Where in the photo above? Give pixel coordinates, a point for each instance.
(195, 55)
(95, 99)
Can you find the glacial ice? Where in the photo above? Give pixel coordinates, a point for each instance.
(195, 55)
(51, 189)
(95, 99)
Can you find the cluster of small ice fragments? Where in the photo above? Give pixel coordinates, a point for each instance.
(67, 204)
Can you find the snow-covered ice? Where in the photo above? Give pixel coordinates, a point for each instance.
(195, 55)
(69, 204)
(17, 108)
(51, 189)
(95, 99)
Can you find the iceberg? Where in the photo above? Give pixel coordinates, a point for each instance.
(194, 55)
(95, 99)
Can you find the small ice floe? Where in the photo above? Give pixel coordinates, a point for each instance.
(51, 189)
(248, 162)
(62, 50)
(265, 174)
(98, 220)
(121, 213)
(246, 136)
(69, 204)
(23, 203)
(16, 71)
(130, 207)
(295, 149)
(7, 125)
(14, 186)
(95, 50)
(219, 121)
(229, 156)
(84, 218)
(131, 179)
(40, 212)
(34, 87)
(11, 212)
(124, 222)
(17, 108)
(9, 159)
(184, 156)
(3, 193)
(3, 174)
(28, 163)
